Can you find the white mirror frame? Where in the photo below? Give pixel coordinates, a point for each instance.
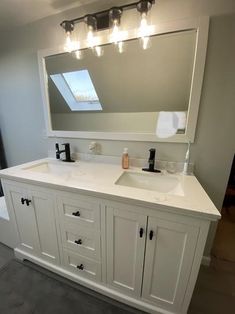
(201, 25)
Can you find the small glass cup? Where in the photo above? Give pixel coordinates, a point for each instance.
(171, 167)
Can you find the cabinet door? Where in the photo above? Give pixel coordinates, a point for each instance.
(125, 250)
(169, 255)
(35, 221)
(42, 204)
(25, 218)
(8, 228)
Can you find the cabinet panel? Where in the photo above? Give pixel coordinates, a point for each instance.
(125, 250)
(83, 241)
(35, 220)
(79, 211)
(82, 266)
(43, 205)
(25, 217)
(168, 260)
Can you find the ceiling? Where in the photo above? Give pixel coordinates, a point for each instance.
(14, 13)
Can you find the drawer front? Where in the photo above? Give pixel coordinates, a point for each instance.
(82, 266)
(79, 211)
(81, 240)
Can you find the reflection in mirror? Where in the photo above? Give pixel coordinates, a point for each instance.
(138, 91)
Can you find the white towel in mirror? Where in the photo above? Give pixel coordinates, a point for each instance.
(168, 123)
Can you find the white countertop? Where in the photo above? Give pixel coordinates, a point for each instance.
(98, 179)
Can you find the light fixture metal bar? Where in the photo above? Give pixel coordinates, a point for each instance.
(103, 13)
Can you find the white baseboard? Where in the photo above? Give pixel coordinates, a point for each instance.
(206, 260)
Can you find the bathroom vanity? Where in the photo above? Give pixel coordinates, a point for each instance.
(133, 236)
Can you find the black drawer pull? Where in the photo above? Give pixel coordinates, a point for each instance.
(150, 234)
(141, 232)
(77, 214)
(79, 241)
(81, 266)
(22, 200)
(28, 202)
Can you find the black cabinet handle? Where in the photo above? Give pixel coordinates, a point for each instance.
(150, 234)
(79, 241)
(141, 232)
(77, 214)
(22, 200)
(28, 202)
(81, 266)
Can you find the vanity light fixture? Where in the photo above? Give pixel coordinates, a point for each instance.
(91, 23)
(145, 30)
(116, 36)
(107, 19)
(68, 27)
(92, 39)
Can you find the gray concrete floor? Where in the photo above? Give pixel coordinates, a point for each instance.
(6, 255)
(214, 292)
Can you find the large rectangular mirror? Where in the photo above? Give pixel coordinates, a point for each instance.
(143, 95)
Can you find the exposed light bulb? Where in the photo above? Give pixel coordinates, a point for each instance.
(91, 39)
(68, 43)
(144, 31)
(121, 47)
(71, 45)
(99, 51)
(117, 37)
(145, 42)
(78, 54)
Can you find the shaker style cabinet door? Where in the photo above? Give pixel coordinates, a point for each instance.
(126, 233)
(170, 251)
(35, 221)
(42, 204)
(25, 218)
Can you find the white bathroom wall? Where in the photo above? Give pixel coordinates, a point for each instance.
(21, 113)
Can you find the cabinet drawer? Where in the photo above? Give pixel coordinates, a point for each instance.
(82, 240)
(82, 266)
(85, 212)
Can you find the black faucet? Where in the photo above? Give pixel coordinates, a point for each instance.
(151, 161)
(66, 150)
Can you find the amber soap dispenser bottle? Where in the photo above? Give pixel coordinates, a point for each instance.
(125, 159)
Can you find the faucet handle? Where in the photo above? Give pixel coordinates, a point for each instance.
(152, 154)
(57, 151)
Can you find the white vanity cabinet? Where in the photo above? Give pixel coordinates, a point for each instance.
(142, 254)
(150, 257)
(80, 220)
(34, 211)
(126, 234)
(170, 248)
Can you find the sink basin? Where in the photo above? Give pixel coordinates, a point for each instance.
(152, 181)
(56, 169)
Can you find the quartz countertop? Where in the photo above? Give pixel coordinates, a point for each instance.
(98, 179)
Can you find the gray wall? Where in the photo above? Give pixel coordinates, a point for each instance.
(21, 113)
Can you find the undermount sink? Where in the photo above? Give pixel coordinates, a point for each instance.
(56, 169)
(161, 183)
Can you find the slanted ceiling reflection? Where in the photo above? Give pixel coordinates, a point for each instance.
(77, 90)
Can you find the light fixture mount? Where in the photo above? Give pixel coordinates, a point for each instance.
(91, 21)
(115, 14)
(110, 18)
(68, 26)
(102, 17)
(144, 6)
